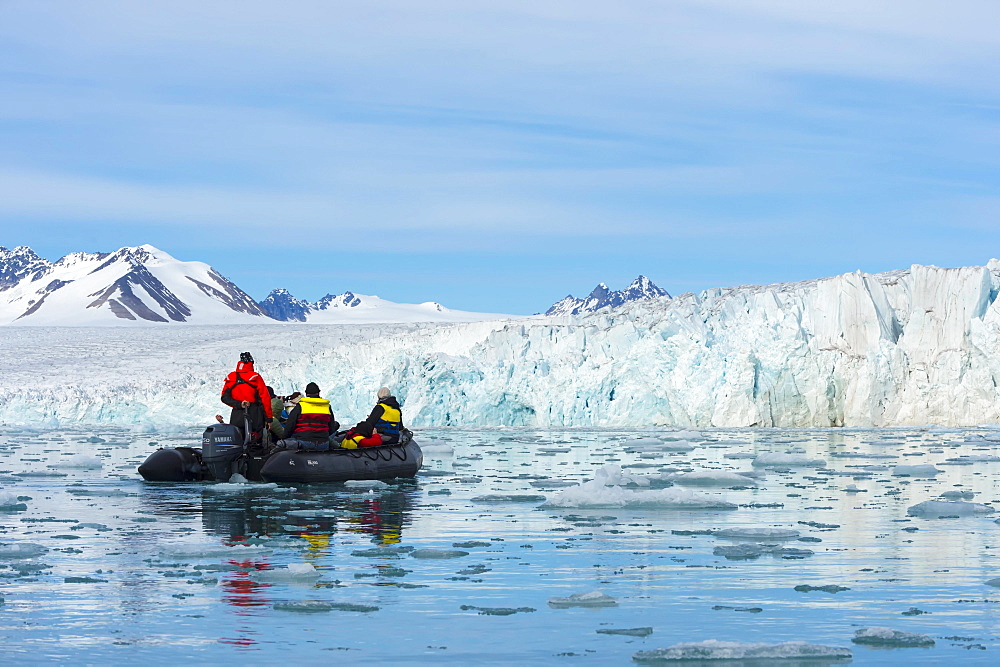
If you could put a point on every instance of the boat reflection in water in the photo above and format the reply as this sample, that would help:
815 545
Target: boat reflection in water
312 513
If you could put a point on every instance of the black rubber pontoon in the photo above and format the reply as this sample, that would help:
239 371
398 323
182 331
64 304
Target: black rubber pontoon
339 465
225 453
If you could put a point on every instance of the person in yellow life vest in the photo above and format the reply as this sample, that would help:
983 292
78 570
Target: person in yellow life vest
310 423
382 427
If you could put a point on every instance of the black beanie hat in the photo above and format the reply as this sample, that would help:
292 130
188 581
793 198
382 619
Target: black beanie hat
312 389
246 357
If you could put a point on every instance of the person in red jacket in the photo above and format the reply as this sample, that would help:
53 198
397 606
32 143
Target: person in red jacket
246 393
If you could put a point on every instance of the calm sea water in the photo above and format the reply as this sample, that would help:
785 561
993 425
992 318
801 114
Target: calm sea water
466 563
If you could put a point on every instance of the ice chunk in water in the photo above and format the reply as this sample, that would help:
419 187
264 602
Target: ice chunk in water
890 638
18 550
210 550
711 478
438 553
508 498
777 460
958 495
762 533
592 599
365 484
83 462
8 501
593 494
941 508
631 632
683 435
295 572
435 447
924 470
229 487
713 649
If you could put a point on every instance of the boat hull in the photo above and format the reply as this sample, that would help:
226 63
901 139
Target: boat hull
339 465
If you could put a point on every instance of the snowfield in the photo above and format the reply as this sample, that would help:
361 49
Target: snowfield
909 347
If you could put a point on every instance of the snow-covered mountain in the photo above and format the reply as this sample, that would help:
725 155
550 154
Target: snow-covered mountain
604 297
144 285
360 308
137 285
911 347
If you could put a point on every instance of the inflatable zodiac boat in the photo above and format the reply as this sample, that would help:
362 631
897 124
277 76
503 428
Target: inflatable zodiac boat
224 453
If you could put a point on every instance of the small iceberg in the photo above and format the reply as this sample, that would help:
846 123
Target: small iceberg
776 460
714 649
924 470
889 638
19 550
593 599
712 478
82 462
294 573
365 484
933 509
438 554
757 534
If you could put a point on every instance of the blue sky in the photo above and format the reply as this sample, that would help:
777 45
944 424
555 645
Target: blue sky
497 155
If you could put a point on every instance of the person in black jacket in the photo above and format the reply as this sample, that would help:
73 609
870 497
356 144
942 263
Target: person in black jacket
386 419
311 422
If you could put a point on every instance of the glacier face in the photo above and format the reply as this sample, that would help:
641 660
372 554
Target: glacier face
900 348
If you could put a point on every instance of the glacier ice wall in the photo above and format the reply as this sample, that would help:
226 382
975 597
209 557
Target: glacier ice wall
907 347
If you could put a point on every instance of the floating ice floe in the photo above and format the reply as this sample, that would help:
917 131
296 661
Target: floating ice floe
751 551
887 637
434 447
603 492
592 599
630 632
238 551
683 435
552 483
714 649
230 487
509 498
382 552
366 484
712 478
9 502
438 554
771 534
947 508
958 495
19 550
321 606
922 470
656 445
778 460
740 455
294 573
82 462
497 611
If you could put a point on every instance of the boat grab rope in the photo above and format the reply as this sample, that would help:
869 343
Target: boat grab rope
374 454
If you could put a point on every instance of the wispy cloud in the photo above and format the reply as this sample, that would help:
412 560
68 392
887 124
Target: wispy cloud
621 132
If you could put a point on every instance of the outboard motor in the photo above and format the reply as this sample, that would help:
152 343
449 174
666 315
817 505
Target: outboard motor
221 448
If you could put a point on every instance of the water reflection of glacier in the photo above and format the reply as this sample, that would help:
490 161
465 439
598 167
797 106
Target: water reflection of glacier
475 559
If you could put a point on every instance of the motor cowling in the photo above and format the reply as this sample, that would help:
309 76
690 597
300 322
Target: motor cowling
221 450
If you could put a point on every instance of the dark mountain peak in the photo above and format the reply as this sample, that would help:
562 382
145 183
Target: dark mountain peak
281 305
20 263
604 297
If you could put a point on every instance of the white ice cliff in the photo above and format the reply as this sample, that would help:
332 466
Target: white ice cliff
900 348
